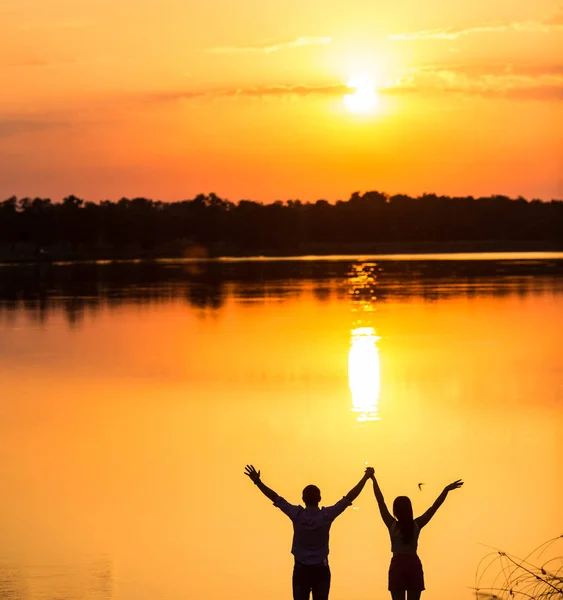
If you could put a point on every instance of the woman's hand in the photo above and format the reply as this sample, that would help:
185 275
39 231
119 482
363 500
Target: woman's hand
453 486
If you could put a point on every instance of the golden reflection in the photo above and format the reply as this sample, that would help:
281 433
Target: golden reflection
364 374
363 358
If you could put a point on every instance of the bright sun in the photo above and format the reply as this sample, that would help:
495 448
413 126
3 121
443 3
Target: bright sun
364 99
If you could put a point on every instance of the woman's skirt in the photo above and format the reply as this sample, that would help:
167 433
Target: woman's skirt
405 573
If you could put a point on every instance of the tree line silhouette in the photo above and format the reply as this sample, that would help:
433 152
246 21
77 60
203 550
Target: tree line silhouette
210 225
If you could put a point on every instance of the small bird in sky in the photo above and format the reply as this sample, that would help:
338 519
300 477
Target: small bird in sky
420 486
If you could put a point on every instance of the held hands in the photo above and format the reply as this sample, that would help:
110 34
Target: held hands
251 472
370 473
453 486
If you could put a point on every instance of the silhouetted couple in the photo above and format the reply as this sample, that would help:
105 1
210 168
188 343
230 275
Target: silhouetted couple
311 526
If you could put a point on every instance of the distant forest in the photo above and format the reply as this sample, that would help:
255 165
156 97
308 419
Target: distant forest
207 225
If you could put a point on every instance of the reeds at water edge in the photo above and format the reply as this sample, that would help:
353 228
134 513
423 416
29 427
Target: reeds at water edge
538 576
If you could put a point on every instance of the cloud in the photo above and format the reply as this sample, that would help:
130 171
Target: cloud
476 69
547 25
281 90
517 81
292 90
16 126
267 48
521 82
454 34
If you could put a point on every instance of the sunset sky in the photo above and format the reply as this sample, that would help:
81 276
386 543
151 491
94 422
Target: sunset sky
170 98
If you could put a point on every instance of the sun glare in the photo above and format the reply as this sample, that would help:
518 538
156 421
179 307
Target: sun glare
364 98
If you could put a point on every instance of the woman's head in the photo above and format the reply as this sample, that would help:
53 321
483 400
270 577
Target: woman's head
402 509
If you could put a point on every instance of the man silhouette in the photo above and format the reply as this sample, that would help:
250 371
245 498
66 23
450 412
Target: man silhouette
311 526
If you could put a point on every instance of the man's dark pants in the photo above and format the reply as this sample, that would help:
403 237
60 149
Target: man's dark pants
311 578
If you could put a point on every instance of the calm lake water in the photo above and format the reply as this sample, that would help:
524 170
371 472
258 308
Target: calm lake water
132 395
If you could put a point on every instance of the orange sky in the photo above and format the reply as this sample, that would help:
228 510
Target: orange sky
168 99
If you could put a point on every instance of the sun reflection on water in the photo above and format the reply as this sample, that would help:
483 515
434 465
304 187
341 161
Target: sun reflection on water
363 358
364 374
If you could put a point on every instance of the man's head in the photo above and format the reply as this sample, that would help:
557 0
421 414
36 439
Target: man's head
311 495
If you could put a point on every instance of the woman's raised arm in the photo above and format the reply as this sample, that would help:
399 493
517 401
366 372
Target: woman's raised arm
423 519
384 511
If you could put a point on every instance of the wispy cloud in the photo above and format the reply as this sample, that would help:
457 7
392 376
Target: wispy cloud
552 23
280 91
453 33
268 47
519 81
516 82
16 125
292 90
480 69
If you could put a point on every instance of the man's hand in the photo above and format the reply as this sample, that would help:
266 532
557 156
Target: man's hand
254 475
370 473
355 491
251 472
453 486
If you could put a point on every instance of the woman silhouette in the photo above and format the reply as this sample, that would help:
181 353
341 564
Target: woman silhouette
406 577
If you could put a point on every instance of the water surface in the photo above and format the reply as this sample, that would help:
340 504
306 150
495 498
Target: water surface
133 394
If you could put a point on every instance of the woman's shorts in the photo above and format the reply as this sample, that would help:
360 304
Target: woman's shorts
405 573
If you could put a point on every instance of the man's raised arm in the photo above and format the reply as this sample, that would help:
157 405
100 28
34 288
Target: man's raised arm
355 491
254 475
